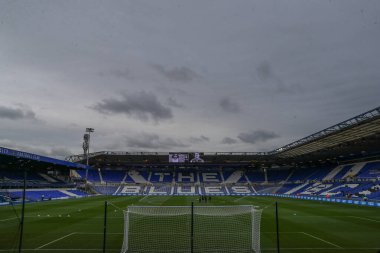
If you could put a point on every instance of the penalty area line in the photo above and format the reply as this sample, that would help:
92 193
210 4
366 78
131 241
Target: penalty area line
322 240
363 218
85 233
13 218
56 240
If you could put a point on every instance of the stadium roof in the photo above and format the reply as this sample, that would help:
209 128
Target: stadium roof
364 125
16 158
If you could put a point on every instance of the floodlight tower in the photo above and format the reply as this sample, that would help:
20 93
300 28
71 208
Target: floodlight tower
86 146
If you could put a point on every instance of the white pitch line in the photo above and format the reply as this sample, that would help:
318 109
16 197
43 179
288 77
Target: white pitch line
271 249
84 233
238 199
12 250
63 237
282 232
263 249
322 240
346 249
13 218
362 218
143 198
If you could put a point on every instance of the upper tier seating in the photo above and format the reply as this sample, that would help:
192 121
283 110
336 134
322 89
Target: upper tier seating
113 175
277 175
15 179
93 175
255 176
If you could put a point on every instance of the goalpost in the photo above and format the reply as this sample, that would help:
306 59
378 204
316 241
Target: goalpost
194 229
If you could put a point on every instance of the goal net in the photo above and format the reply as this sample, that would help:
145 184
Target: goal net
194 230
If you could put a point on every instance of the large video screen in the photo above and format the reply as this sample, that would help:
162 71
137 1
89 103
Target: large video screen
196 158
186 157
178 157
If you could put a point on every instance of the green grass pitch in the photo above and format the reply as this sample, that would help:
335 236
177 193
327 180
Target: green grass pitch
76 225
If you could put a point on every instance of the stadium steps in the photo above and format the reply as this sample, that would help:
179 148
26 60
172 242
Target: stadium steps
74 173
296 188
125 177
119 188
69 193
149 176
333 173
47 178
234 177
290 175
354 170
222 177
246 178
136 177
250 183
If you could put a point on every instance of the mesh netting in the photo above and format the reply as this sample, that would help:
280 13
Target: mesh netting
179 229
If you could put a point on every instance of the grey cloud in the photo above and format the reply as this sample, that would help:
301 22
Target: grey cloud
179 74
229 141
119 73
59 152
239 56
16 113
264 71
153 141
113 145
174 103
142 105
229 106
199 139
257 136
266 74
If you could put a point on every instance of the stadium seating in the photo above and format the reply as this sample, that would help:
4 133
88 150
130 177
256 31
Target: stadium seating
370 170
255 176
161 177
278 175
15 179
351 180
113 175
45 194
93 175
105 189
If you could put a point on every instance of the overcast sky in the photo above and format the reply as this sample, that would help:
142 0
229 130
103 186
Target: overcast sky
176 75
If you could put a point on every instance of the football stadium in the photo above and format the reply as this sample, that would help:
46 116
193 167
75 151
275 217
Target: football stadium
189 126
318 194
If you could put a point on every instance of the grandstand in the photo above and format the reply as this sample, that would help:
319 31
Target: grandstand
340 164
45 178
341 161
357 180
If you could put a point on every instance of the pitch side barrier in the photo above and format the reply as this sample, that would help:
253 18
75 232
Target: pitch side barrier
331 200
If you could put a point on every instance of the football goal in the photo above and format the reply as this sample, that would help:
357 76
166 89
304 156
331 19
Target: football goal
194 229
